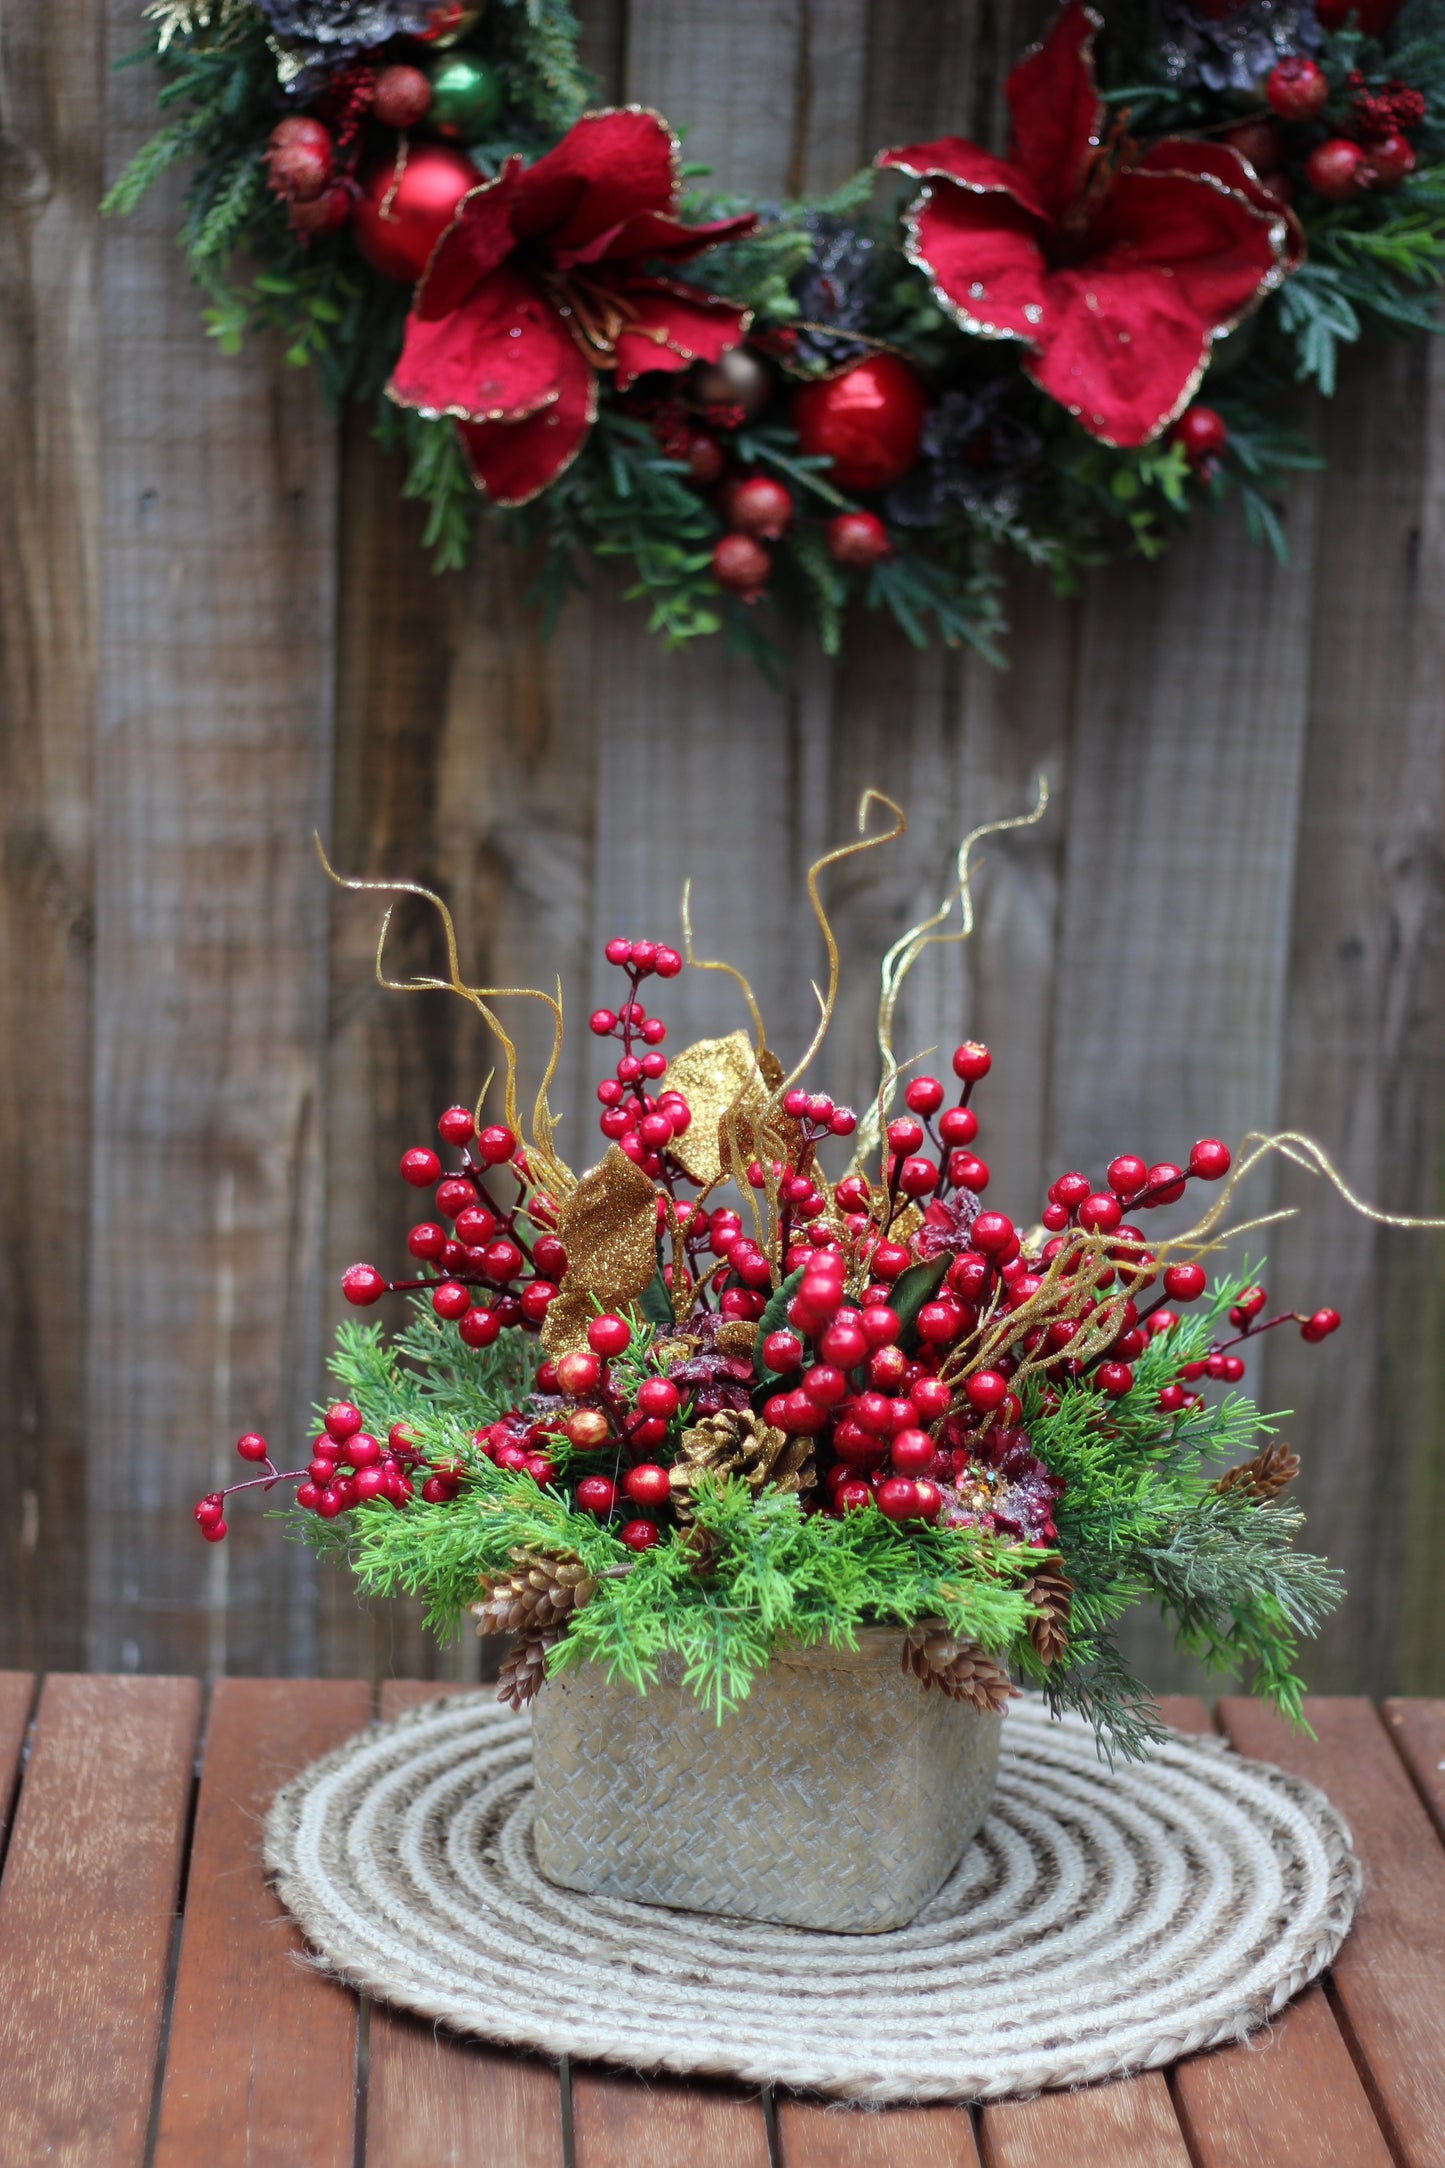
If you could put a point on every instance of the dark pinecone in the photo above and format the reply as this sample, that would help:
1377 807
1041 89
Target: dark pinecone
737 1443
1053 1591
1266 1475
701 1547
1233 46
524 1667
314 38
832 293
536 1598
960 1670
975 453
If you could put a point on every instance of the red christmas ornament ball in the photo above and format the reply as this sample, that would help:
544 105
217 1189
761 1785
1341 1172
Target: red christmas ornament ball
1338 169
868 421
760 507
402 97
401 215
859 539
1297 88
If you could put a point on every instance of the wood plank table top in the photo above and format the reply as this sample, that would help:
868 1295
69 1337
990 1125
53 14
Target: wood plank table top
152 2009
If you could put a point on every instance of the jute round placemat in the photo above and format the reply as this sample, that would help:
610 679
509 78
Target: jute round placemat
1103 1921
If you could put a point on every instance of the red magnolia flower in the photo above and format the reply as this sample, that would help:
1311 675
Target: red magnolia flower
1117 268
537 285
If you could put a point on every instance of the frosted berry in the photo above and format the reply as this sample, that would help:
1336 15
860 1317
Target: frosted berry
362 1284
971 1061
1297 88
608 1335
760 507
1338 170
859 539
905 1134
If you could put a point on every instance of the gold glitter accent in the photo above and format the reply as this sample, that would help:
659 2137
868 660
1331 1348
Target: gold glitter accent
719 1079
740 1445
183 18
608 1227
737 1336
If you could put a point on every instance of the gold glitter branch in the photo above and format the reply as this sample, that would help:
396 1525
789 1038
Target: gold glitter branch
869 799
547 1167
701 963
906 951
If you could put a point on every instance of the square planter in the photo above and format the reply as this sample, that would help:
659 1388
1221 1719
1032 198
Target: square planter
840 1795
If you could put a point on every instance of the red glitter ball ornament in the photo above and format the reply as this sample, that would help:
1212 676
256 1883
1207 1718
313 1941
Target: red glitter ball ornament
406 205
868 421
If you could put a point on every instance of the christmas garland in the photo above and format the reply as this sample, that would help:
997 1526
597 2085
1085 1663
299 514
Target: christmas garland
707 1395
1061 354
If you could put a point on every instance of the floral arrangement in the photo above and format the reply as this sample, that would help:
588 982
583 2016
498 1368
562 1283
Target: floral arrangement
1060 354
709 1394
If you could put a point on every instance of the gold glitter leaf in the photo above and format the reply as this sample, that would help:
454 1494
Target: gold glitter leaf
716 1077
608 1227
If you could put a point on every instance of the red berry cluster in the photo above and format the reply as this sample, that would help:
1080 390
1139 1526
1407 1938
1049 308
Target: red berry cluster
759 511
348 1468
642 1124
1338 167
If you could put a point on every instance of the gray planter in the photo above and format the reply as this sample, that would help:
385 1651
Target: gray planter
841 1795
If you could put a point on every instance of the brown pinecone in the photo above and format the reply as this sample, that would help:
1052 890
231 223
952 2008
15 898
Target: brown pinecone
737 1443
1053 1591
700 1547
1266 1475
962 1671
537 1597
524 1667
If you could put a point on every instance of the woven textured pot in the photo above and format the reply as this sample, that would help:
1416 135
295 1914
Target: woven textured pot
840 1795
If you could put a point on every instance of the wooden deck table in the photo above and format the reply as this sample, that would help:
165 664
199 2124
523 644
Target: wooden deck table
151 2008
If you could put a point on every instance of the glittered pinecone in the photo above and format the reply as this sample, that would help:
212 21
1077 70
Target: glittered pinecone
962 1671
1265 1476
1052 1590
536 1598
735 1442
524 1667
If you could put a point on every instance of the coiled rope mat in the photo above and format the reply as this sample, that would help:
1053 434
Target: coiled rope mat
1101 1922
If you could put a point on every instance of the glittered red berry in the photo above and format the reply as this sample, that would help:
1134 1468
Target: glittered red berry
704 458
1321 1325
858 540
897 1498
420 1166
362 1284
401 97
868 421
741 565
298 159
406 204
1209 1159
904 1134
760 507
596 1494
1297 88
608 1335
1203 435
1184 1283
1338 170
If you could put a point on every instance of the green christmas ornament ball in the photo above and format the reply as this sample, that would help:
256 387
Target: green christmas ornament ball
466 97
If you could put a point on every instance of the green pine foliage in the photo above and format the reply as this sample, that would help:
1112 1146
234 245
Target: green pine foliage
1141 1520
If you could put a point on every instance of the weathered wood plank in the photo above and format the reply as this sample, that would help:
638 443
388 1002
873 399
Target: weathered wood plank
1129 2124
620 2122
1364 1030
1418 1730
261 2058
212 761
87 1908
814 2137
1389 1977
51 61
434 2101
17 1693
1290 2098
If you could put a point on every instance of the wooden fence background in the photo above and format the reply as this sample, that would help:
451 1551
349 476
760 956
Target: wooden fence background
217 632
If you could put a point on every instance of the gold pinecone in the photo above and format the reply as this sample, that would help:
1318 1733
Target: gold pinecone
1052 1590
960 1670
536 1598
524 1667
737 1443
1266 1475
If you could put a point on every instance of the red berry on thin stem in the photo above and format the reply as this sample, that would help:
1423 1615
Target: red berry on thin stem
1209 1159
1184 1283
972 1061
362 1284
1321 1325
